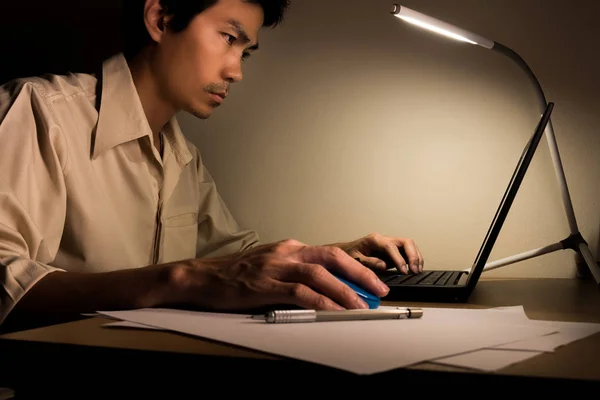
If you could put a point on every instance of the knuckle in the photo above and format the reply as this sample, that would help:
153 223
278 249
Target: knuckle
281 247
297 290
286 244
373 237
178 276
314 271
335 252
321 303
370 275
347 293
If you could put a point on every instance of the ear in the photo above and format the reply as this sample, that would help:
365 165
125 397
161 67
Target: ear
154 19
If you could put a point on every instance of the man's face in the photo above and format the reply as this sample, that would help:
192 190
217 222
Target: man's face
196 66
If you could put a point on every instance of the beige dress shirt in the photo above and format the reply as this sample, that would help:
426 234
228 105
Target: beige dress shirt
82 187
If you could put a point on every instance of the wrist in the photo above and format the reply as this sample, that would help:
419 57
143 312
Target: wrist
167 285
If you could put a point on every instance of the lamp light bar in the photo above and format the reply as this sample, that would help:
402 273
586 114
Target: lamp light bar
440 27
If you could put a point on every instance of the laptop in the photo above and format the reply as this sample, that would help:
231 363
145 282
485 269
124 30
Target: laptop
456 286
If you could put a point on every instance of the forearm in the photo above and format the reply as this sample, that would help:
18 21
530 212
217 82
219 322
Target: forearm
63 296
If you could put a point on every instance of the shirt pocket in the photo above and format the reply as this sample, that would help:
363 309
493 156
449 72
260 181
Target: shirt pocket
180 235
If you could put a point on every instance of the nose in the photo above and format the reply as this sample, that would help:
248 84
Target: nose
233 70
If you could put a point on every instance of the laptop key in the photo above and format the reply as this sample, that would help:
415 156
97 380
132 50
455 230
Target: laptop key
414 279
450 278
403 279
431 278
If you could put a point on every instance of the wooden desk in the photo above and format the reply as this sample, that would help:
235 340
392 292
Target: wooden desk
61 357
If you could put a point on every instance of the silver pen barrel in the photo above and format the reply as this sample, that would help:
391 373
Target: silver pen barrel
287 316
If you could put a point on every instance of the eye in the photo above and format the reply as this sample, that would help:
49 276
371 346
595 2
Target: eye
245 56
229 38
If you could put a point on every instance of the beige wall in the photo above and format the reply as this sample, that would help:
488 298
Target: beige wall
349 121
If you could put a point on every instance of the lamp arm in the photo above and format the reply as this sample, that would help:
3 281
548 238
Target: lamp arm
553 147
510 53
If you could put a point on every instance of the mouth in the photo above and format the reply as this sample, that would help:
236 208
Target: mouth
218 97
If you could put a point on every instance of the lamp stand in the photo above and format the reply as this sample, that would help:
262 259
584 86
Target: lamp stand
575 240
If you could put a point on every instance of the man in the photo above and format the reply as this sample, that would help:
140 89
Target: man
105 205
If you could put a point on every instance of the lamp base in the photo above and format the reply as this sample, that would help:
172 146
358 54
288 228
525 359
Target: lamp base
593 267
583 271
587 266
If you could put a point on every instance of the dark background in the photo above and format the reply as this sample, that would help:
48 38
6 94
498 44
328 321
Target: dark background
56 36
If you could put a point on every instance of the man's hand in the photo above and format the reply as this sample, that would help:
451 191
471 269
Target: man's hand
381 252
286 272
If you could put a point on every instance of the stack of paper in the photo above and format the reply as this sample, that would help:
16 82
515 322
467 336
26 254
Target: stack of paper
486 339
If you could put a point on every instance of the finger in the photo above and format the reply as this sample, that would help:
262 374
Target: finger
413 255
318 279
340 263
390 251
393 256
421 260
415 265
370 262
303 296
399 257
408 251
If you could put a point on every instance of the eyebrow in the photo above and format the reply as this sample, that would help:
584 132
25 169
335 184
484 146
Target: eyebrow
241 32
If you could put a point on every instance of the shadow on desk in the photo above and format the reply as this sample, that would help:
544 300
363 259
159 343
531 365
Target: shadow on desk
108 373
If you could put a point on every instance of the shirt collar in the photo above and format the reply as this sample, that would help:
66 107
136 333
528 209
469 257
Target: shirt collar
121 117
177 141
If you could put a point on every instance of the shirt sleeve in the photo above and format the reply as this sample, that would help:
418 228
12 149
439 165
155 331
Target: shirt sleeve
218 232
32 191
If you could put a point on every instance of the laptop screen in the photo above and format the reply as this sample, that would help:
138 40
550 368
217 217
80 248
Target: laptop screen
509 196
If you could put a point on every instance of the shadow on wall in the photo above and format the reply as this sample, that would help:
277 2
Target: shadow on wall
582 268
598 247
39 36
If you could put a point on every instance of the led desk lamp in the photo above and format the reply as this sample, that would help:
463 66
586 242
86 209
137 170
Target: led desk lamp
575 241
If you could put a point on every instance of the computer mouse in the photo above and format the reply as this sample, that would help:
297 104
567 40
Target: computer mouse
369 298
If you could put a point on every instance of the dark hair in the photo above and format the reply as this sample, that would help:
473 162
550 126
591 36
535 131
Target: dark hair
181 12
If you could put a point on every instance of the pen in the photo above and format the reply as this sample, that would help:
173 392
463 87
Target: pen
287 316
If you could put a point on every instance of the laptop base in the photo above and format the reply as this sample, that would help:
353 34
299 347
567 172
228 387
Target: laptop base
441 286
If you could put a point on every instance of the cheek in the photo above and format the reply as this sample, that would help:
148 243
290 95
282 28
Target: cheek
188 65
180 75
171 80
204 57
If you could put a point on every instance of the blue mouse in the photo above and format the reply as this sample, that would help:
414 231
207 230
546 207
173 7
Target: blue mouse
372 300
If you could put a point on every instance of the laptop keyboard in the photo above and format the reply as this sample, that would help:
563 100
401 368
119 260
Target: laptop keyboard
431 278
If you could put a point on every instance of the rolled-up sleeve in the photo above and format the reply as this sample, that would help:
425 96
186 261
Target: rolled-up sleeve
32 191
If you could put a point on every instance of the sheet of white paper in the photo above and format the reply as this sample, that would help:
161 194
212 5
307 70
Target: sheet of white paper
488 359
127 324
517 351
515 313
362 347
568 332
521 350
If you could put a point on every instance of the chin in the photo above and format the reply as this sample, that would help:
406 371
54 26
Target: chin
200 113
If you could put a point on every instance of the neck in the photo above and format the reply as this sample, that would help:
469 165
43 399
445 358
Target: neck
157 108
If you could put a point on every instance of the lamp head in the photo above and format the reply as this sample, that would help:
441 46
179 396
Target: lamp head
440 27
